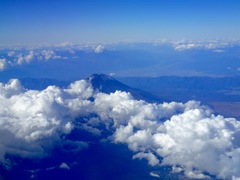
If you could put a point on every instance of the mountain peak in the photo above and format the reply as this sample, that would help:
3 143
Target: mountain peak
100 77
108 84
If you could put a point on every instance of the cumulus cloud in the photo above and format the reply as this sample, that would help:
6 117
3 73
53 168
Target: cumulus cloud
64 166
48 54
32 120
23 56
3 64
30 56
20 58
153 161
187 136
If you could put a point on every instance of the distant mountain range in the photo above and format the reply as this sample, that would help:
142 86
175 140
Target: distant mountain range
221 94
191 83
178 88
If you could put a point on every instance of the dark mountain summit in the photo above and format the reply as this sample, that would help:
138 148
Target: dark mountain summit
105 83
108 84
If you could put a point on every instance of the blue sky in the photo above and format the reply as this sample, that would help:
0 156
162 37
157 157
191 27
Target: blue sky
39 21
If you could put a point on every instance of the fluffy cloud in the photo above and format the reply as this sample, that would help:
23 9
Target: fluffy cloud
64 166
20 57
153 161
3 64
48 54
31 121
30 56
186 136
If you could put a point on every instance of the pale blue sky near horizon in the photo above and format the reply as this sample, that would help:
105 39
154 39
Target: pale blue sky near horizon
51 21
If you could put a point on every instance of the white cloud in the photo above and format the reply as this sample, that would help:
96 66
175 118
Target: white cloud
183 47
211 45
152 160
99 49
49 54
13 87
219 50
29 119
3 64
65 44
64 166
112 74
91 129
30 56
20 58
192 137
186 136
154 174
11 53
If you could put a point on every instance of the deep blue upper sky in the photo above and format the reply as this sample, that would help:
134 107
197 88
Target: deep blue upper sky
38 21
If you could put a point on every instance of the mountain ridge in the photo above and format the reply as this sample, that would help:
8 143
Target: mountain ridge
108 84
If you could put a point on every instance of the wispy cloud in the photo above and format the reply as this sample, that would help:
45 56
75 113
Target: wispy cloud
99 49
214 45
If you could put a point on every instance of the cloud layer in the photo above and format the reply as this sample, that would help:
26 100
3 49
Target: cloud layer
17 56
215 46
186 136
